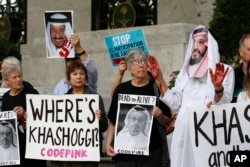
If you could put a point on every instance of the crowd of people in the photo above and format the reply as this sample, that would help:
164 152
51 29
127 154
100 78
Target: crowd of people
203 81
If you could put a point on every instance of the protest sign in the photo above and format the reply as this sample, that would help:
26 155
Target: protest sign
217 131
9 141
119 44
63 128
58 29
132 132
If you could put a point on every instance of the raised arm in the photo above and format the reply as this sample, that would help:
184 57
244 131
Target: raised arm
118 79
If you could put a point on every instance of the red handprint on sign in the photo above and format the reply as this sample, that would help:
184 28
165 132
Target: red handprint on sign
65 50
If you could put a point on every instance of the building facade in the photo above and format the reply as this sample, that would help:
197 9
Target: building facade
167 40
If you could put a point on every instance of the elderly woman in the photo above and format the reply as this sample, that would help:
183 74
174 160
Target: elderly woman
8 142
15 100
12 60
77 76
140 84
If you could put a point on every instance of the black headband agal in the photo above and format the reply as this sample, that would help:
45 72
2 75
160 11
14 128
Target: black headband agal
200 30
53 20
4 123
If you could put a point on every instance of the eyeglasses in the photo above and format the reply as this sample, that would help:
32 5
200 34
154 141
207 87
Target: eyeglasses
138 63
5 133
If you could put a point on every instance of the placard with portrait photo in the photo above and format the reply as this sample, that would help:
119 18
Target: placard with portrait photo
58 28
133 130
9 141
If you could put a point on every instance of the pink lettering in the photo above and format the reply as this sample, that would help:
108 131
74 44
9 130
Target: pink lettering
56 152
50 153
42 152
64 153
67 152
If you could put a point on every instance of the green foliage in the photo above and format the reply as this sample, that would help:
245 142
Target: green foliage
229 22
8 48
173 77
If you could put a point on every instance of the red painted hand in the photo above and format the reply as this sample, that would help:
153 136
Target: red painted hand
153 66
219 75
65 50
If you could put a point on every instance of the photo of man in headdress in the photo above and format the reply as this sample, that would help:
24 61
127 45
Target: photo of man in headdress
8 142
58 28
136 129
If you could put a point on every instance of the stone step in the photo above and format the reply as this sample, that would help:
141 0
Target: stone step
106 162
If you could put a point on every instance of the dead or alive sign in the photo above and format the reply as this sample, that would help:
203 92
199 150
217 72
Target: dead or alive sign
119 44
133 128
62 128
9 141
217 131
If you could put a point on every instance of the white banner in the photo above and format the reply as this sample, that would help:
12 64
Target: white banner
62 127
217 131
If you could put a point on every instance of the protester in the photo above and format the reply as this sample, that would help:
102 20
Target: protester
241 71
136 63
169 126
12 60
63 85
15 100
8 142
201 81
135 133
77 76
244 95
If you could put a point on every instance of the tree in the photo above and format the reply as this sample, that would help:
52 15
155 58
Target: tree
8 48
229 22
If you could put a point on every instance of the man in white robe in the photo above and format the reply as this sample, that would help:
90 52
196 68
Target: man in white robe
201 81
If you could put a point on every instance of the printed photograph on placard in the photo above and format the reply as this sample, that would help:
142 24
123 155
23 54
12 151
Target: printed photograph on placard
58 28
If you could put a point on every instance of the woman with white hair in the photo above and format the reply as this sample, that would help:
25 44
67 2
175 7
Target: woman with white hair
15 61
140 84
15 100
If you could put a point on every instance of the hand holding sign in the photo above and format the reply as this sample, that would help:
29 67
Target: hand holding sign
119 44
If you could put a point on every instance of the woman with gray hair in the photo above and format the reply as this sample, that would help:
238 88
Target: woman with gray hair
140 84
15 61
15 100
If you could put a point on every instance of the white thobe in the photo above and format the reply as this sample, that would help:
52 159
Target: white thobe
197 92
